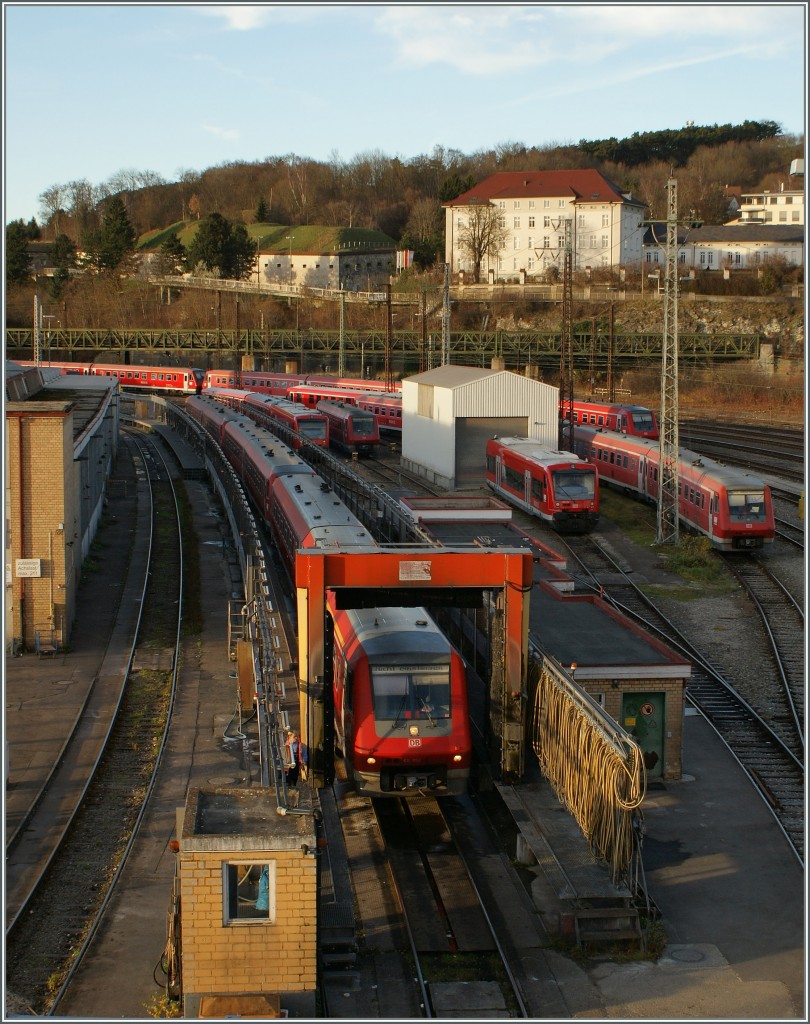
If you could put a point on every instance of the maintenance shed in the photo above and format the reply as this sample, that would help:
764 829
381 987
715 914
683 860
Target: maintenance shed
449 414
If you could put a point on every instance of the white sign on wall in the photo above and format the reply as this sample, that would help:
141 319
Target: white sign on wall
29 566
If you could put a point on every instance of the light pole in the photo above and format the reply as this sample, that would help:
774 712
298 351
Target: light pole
289 258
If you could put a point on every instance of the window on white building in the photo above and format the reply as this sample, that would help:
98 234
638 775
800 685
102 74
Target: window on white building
530 243
546 222
531 204
581 220
605 220
514 263
516 222
605 241
501 222
546 203
516 242
592 241
546 242
531 264
783 216
794 215
531 222
560 241
501 204
561 203
515 204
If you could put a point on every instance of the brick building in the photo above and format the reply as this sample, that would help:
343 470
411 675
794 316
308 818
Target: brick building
61 435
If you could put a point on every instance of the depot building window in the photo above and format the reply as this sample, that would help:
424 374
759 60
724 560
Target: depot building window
249 892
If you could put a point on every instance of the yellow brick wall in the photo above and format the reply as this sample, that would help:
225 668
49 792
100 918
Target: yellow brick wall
40 476
673 729
278 956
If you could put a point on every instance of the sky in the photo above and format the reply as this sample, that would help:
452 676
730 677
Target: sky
94 89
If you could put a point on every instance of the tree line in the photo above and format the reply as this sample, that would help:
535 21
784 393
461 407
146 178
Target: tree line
402 198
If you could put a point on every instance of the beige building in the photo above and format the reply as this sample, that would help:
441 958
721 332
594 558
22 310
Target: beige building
61 435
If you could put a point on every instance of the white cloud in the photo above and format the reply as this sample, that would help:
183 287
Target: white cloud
494 39
229 134
244 17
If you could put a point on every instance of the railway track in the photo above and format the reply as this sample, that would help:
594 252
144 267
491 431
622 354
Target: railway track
756 448
59 881
773 763
436 917
783 622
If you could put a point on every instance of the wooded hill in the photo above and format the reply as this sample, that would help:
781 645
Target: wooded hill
402 197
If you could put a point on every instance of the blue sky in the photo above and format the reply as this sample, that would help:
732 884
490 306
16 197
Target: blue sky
93 89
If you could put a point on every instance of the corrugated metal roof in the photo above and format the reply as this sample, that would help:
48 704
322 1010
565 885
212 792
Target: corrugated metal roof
450 376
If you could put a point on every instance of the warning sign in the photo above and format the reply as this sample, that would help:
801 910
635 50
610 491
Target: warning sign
647 709
414 571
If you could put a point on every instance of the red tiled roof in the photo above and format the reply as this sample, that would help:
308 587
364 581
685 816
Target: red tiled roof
581 186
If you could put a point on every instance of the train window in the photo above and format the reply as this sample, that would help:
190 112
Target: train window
574 483
747 504
538 487
248 892
600 420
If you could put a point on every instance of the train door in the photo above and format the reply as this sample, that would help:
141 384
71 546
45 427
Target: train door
644 717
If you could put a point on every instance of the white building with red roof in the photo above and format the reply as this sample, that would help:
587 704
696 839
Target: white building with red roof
536 210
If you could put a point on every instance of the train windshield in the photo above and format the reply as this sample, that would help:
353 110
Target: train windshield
574 483
643 421
415 693
364 426
748 505
313 429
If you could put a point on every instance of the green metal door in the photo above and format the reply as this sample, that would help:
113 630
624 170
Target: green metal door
643 716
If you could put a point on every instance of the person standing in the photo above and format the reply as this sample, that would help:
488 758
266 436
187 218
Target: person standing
292 762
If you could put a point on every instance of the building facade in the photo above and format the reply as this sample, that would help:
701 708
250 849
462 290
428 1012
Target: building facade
541 214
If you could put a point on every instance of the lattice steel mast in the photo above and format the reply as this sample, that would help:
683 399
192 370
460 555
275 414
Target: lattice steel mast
566 433
667 529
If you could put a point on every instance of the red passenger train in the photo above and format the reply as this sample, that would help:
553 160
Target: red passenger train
292 421
386 406
173 380
730 506
351 430
562 491
635 420
399 687
268 382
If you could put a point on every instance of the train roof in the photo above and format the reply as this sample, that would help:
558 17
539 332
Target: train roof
341 410
692 466
387 633
325 516
535 452
284 404
264 448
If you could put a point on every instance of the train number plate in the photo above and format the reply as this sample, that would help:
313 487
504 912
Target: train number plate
414 742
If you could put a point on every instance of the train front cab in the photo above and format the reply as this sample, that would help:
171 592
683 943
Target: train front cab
401 720
741 519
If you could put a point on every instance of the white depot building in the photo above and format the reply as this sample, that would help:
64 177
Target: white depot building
449 414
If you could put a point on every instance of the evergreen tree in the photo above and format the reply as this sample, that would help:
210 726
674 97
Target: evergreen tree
18 260
108 245
262 214
222 248
173 255
64 258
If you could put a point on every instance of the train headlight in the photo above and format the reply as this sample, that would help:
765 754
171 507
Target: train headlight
456 757
371 760
413 730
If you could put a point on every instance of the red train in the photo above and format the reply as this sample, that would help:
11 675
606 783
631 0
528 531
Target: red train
730 506
271 383
401 718
548 484
292 421
183 381
399 687
635 420
351 429
386 405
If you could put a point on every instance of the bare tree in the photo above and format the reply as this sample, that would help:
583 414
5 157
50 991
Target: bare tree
481 236
52 202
